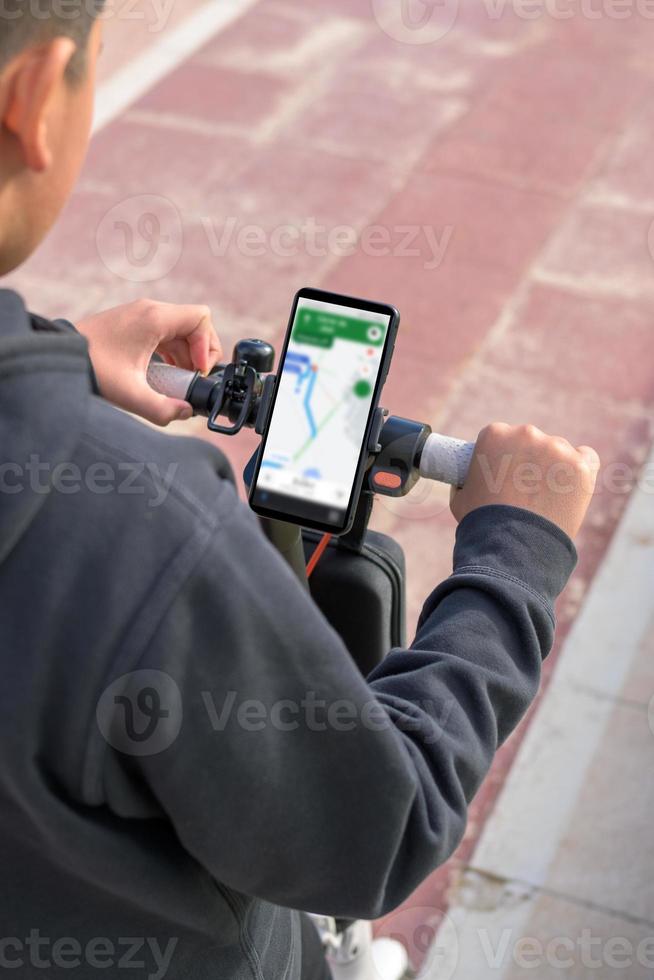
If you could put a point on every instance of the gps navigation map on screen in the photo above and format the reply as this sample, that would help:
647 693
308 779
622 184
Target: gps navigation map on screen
323 403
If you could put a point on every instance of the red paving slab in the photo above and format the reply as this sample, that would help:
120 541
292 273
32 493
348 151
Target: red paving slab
196 91
580 353
550 83
274 35
445 316
486 235
543 121
289 187
387 128
542 124
627 40
451 66
75 236
603 250
131 157
626 172
528 138
621 431
304 44
491 227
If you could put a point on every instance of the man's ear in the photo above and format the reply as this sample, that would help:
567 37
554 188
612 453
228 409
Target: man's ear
33 79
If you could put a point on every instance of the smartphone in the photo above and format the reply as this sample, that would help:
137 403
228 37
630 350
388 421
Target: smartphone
314 452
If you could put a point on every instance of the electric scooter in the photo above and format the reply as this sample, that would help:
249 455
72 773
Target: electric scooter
400 452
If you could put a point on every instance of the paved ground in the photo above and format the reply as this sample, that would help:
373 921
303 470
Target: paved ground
493 167
561 881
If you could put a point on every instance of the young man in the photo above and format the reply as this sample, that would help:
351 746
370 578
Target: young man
176 761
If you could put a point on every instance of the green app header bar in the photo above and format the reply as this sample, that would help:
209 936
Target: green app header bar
321 329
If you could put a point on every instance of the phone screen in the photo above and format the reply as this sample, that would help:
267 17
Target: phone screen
327 389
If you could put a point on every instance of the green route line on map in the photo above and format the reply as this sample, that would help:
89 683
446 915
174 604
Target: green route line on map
322 425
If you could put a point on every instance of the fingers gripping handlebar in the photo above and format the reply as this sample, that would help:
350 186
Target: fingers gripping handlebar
239 392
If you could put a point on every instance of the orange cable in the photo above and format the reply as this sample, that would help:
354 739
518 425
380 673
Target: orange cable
318 553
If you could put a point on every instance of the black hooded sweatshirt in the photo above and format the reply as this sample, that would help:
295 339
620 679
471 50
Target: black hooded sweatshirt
187 751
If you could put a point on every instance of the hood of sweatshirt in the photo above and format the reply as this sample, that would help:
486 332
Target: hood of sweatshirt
44 397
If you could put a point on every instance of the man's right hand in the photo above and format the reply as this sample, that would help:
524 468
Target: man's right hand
123 340
521 466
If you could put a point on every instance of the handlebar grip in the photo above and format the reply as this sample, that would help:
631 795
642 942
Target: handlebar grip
171 381
446 460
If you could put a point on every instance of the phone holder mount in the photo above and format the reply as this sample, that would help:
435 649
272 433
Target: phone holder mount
243 391
395 444
242 388
394 448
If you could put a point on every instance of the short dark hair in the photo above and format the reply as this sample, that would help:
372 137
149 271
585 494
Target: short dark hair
27 22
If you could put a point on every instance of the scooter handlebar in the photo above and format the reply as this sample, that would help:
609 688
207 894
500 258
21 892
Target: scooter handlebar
446 460
171 381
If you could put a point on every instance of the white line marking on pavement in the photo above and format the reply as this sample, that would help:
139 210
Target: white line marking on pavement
525 831
129 83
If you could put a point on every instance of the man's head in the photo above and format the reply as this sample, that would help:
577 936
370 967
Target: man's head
48 53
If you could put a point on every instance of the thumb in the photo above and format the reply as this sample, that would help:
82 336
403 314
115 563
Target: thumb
593 463
590 455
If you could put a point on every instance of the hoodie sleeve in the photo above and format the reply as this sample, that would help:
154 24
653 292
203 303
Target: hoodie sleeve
296 780
39 323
